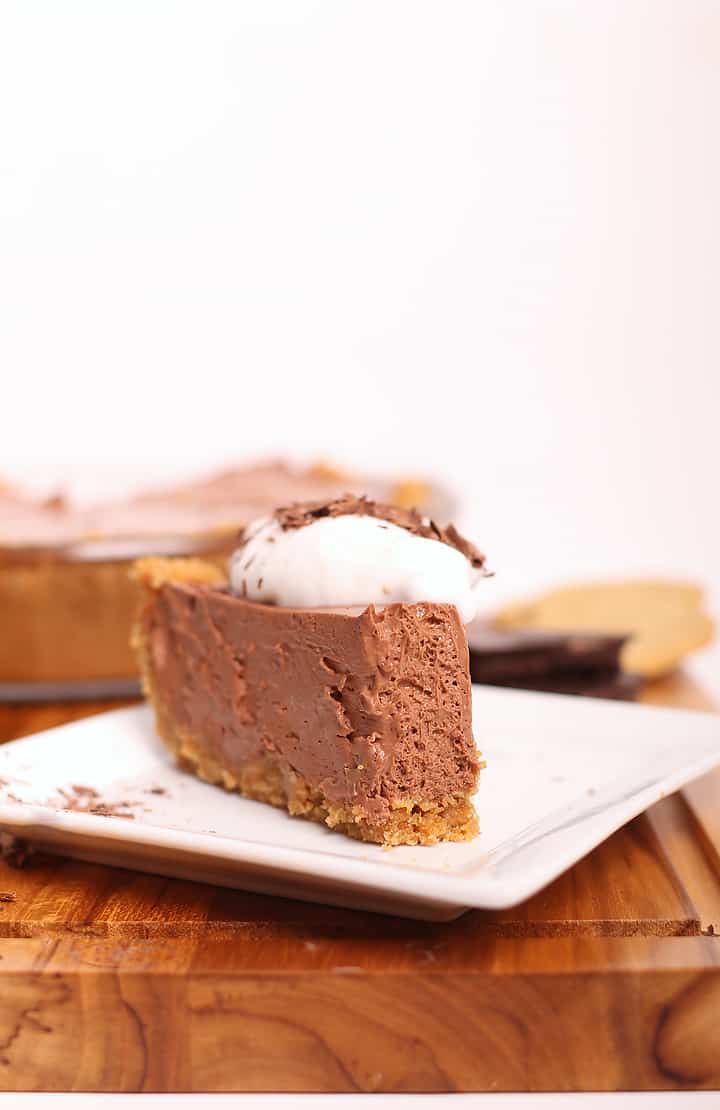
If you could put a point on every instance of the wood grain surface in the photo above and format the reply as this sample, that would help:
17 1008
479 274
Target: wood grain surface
607 980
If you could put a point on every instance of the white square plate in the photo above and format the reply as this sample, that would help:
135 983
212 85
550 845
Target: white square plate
563 773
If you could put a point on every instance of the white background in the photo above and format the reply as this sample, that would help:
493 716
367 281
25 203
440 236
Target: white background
476 239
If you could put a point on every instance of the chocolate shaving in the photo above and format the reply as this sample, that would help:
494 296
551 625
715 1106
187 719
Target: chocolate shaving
8 896
302 513
77 798
85 799
115 809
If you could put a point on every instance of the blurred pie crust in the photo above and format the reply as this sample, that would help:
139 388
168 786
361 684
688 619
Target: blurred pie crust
66 596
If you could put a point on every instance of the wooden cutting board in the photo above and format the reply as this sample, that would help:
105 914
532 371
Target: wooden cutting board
608 980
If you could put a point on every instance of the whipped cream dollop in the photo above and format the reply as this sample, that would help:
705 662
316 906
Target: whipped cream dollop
348 561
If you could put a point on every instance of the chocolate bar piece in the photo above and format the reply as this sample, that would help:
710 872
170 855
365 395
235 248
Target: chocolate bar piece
557 662
617 686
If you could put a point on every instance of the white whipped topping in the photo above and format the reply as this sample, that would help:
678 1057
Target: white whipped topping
346 561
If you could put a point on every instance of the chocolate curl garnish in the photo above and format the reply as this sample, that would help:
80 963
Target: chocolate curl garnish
302 513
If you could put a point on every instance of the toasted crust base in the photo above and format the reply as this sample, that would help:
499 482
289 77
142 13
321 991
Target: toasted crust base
271 779
414 821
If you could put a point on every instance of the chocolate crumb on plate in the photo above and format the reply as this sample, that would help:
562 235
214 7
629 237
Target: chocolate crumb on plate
118 809
85 799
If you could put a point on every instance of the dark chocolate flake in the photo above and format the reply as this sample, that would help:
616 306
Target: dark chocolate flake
85 799
118 809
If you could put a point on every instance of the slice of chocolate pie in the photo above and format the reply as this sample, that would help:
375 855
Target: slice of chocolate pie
330 675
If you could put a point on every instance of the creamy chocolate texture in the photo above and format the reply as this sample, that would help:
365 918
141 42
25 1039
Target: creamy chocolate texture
331 674
364 708
363 721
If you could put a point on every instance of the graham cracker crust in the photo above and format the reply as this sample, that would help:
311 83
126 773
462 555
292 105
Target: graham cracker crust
414 821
